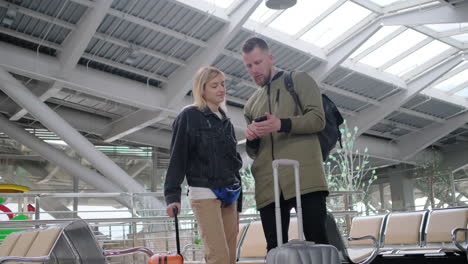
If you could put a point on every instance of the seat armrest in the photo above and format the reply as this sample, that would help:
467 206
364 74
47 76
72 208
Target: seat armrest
375 251
24 259
147 251
454 238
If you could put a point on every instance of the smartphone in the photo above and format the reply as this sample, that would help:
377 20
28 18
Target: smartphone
260 119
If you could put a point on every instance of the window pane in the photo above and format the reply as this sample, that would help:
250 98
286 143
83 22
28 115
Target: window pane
453 82
463 92
379 35
418 58
333 25
297 17
446 27
262 13
393 48
462 37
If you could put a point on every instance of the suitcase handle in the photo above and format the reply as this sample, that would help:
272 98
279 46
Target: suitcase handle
176 221
300 227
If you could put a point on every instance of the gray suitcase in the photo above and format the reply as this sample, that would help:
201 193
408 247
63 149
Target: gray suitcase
297 251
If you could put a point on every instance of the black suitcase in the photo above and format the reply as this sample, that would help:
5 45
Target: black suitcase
297 251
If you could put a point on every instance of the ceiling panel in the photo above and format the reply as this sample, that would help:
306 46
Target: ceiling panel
409 120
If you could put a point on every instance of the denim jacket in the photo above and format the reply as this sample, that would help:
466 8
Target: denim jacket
203 149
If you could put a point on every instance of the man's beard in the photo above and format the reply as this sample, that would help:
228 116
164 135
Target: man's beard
267 78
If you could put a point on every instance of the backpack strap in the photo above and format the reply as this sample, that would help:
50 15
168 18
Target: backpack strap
289 84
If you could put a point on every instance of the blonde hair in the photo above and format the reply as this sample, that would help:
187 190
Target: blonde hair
202 77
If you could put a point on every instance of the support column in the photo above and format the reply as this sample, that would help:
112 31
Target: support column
402 189
156 178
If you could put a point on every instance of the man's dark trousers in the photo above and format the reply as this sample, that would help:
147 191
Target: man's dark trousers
314 213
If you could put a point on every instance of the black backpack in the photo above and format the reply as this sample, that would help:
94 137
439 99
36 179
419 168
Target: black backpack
331 133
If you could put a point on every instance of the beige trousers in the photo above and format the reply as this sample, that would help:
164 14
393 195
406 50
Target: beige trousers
218 229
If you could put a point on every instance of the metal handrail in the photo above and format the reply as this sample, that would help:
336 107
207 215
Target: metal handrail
119 252
375 251
24 259
454 239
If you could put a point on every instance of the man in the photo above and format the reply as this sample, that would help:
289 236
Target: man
284 135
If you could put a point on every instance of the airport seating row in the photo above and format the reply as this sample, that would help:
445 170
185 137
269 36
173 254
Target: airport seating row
438 234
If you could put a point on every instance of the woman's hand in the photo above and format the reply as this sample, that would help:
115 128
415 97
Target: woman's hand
169 209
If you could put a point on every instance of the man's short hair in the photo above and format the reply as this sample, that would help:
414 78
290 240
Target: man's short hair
253 42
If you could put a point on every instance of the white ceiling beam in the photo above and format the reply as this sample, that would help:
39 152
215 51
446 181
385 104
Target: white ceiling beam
458 88
379 44
453 32
341 53
44 94
412 143
349 94
397 124
125 67
132 123
373 115
429 15
401 5
441 95
369 5
138 168
434 34
30 38
77 41
406 53
373 73
421 115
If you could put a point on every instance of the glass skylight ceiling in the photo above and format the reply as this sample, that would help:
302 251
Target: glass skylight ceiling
324 29
453 82
332 26
397 50
463 93
418 57
291 21
378 36
393 48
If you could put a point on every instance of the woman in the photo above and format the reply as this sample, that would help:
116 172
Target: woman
203 149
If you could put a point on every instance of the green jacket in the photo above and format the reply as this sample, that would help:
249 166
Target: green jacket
300 143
